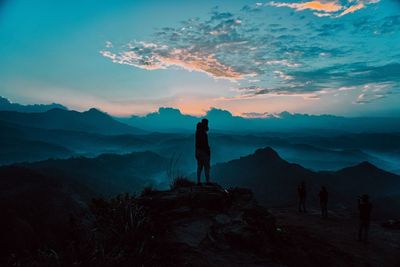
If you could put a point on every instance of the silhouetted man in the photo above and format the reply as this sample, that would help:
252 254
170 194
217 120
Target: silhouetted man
323 201
302 197
365 208
202 150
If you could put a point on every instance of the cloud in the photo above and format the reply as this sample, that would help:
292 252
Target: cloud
291 90
373 91
372 82
352 9
327 8
259 115
150 56
283 62
322 14
272 59
196 45
351 74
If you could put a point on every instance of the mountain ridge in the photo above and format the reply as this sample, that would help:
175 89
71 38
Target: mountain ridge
6 104
92 121
172 119
274 180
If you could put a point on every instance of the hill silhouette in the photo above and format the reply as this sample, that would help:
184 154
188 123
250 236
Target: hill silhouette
319 158
168 119
6 105
272 179
91 121
26 143
35 209
62 133
275 180
107 174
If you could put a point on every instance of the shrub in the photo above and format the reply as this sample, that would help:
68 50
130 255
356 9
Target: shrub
181 181
124 232
147 191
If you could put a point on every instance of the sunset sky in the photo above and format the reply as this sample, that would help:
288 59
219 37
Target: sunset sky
131 57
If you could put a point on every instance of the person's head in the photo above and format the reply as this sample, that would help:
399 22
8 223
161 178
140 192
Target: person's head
323 188
204 122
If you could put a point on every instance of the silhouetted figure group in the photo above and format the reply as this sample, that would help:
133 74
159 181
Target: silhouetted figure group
364 208
202 151
323 199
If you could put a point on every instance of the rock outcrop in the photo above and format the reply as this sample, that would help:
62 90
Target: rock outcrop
210 226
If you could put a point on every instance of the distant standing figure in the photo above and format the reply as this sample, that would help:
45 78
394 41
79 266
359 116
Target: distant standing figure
302 197
202 150
323 200
365 208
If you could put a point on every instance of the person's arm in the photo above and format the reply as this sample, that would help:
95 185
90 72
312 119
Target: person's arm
206 143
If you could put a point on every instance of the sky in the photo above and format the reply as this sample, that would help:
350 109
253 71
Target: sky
251 58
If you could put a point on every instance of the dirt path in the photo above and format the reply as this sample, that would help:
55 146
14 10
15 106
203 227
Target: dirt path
340 232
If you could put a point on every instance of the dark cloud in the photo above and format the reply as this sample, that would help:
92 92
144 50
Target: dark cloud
350 74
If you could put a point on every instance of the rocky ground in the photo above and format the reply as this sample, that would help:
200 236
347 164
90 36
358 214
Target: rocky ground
338 237
210 226
207 226
214 227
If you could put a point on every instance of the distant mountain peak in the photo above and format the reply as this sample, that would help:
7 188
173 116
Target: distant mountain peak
4 101
169 110
216 112
285 114
95 111
7 105
366 165
267 152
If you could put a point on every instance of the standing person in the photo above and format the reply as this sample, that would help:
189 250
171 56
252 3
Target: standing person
323 201
202 150
302 197
365 208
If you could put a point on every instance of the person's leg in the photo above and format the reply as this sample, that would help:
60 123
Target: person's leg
360 229
322 209
300 205
304 205
199 169
207 169
366 230
363 232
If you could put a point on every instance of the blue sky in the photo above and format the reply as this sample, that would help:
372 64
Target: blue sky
131 57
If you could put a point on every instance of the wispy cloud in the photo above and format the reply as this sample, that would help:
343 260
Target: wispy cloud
373 91
332 6
151 56
327 8
352 9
